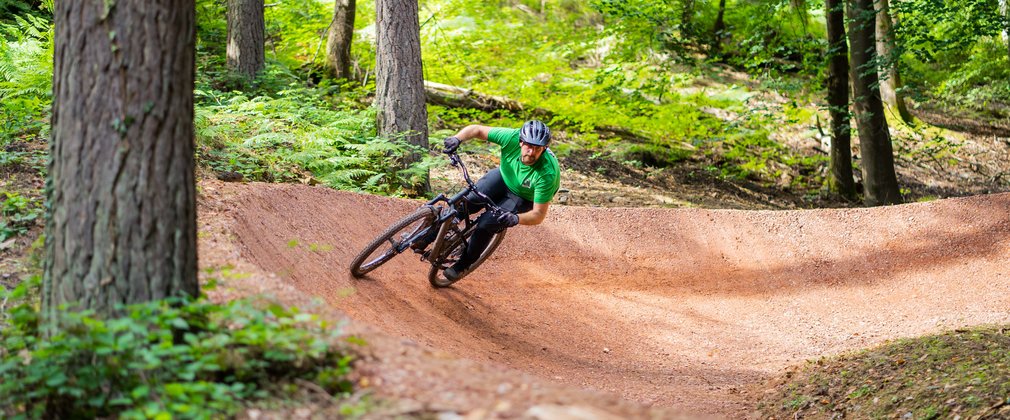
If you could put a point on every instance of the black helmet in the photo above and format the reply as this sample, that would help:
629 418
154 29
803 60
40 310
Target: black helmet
536 133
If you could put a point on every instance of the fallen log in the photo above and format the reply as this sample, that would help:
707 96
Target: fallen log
457 97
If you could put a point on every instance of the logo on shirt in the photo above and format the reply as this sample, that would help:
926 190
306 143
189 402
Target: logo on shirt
527 183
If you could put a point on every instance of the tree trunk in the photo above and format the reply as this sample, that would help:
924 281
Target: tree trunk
880 184
338 41
687 19
719 29
245 37
840 166
890 77
399 87
121 225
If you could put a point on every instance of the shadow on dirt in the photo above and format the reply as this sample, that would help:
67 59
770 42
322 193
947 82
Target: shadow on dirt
672 307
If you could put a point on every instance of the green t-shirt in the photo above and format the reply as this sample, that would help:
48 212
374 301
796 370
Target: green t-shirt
538 182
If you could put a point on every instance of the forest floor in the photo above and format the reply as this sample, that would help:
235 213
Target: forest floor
618 312
634 312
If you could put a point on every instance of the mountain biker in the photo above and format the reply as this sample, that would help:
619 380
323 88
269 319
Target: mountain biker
523 184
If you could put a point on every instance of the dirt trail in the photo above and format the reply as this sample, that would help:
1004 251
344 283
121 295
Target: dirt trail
683 308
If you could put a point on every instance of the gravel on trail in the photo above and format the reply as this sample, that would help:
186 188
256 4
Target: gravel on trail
618 312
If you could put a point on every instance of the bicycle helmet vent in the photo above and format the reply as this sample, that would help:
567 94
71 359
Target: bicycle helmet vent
536 133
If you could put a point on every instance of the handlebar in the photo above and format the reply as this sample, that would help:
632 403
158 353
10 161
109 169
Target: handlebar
458 162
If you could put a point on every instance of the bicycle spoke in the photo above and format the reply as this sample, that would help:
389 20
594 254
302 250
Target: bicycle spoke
389 243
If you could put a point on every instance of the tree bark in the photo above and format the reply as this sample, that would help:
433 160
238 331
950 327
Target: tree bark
399 87
890 81
719 29
880 183
245 37
338 40
121 225
840 165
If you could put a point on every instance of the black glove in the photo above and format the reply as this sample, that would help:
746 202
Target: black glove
508 219
451 144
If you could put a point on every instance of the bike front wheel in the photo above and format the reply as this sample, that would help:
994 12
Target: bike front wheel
392 241
451 252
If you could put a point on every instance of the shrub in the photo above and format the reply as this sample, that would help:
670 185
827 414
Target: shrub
19 215
172 358
297 134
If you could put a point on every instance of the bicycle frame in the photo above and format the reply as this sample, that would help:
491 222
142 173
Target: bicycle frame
453 224
447 209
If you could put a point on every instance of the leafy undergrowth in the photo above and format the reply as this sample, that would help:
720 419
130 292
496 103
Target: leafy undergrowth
295 135
176 358
959 374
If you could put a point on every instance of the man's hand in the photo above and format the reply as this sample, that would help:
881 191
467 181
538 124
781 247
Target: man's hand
451 144
508 219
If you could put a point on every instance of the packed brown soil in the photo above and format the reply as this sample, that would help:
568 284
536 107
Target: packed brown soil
619 312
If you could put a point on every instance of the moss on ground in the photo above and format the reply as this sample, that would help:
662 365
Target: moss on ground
959 374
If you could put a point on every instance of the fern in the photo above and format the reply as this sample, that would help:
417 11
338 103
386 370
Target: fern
26 66
347 161
373 182
352 174
282 138
26 72
267 140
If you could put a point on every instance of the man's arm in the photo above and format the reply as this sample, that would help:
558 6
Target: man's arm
473 132
534 216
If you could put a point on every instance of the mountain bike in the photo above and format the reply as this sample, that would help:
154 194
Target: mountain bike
454 223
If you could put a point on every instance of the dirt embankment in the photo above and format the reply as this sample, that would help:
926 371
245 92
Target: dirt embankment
631 312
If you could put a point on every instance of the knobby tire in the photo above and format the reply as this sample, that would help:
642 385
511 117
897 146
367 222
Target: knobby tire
359 267
452 247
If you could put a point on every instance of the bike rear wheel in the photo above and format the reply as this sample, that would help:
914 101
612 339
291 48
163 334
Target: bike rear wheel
451 251
391 241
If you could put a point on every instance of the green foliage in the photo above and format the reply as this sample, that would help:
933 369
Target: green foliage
778 42
784 39
926 28
982 81
747 151
655 155
659 24
26 69
19 214
211 29
297 136
956 374
928 145
295 36
173 358
12 8
296 31
451 119
607 65
951 50
288 125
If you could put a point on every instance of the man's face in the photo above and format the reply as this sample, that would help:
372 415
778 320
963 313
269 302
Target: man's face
530 153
